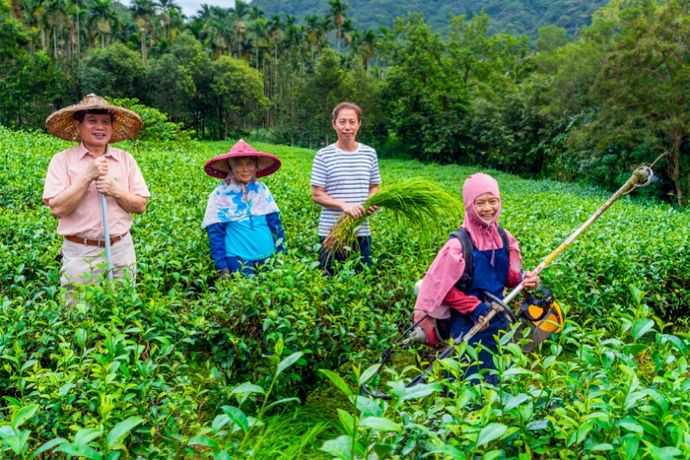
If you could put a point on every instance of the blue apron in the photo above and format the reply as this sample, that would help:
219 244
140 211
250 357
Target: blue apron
489 278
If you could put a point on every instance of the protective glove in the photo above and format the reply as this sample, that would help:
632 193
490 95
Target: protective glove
480 310
223 274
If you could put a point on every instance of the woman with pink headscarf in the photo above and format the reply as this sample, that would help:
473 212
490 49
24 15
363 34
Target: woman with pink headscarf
445 296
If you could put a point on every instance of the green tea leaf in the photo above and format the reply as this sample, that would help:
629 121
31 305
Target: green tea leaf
247 388
631 426
347 421
203 441
289 361
278 349
664 453
641 327
490 432
337 381
282 401
46 446
369 373
339 447
536 425
237 416
24 414
121 430
380 424
516 400
602 447
418 391
219 422
86 435
632 445
76 450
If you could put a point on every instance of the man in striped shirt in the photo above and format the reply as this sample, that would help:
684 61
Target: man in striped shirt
343 176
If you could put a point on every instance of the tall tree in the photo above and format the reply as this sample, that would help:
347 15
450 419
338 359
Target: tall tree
168 12
337 10
114 71
425 96
143 12
363 44
216 31
236 89
258 37
170 87
28 82
644 89
316 35
102 19
57 18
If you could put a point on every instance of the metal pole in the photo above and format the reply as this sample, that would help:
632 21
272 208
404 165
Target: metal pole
106 237
640 177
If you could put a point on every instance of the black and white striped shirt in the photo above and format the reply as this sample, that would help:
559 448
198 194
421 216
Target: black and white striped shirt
346 176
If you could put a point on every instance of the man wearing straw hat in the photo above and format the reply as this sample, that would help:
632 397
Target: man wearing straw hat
93 188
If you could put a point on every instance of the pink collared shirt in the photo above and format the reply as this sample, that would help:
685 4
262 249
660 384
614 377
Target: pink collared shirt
438 292
86 221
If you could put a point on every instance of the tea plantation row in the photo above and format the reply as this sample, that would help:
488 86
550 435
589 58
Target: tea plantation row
155 371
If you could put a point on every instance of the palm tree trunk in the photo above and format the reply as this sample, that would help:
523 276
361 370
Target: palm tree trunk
142 39
78 33
677 141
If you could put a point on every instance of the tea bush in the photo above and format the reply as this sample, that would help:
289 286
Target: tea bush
156 126
587 394
166 358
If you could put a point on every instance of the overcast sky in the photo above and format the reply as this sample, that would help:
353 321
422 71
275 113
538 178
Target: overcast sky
190 7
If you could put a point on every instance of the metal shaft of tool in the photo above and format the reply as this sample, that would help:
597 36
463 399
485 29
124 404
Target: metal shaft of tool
639 176
106 237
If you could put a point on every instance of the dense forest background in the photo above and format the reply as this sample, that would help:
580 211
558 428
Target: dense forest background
512 16
554 103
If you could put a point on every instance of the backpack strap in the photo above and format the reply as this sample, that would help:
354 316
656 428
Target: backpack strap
465 281
504 237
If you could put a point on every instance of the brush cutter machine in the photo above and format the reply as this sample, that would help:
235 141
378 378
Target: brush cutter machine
539 315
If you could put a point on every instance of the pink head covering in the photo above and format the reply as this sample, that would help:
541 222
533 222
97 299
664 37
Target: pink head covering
484 235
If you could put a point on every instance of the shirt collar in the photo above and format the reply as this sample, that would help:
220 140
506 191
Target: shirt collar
109 151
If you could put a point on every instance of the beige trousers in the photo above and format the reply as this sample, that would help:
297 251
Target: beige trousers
82 264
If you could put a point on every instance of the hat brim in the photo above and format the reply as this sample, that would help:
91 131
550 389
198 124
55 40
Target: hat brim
219 166
61 124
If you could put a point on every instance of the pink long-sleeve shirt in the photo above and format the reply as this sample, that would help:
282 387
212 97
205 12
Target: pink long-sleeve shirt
438 292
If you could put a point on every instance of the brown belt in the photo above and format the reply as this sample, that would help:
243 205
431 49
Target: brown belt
98 243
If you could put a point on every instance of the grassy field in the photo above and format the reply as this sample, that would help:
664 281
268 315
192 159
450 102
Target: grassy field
187 367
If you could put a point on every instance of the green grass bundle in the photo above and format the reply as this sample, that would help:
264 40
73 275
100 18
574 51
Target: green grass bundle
415 203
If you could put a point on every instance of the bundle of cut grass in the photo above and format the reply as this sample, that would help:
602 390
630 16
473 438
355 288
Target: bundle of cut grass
416 202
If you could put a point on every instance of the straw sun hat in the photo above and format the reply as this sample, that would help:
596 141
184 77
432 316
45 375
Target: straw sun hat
219 166
125 122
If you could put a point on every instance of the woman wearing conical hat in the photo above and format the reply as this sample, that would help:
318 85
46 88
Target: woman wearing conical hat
242 219
78 175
